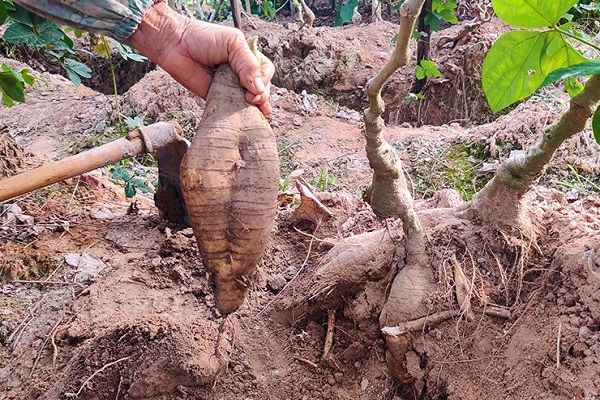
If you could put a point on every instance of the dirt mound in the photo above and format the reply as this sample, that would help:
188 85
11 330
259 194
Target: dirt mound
158 97
337 62
13 157
58 115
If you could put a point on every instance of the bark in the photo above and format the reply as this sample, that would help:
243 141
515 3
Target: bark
376 10
423 45
500 201
236 12
389 197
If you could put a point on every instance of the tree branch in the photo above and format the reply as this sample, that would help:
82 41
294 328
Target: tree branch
389 195
518 174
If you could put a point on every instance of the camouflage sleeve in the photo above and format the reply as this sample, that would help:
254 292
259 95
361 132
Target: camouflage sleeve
116 18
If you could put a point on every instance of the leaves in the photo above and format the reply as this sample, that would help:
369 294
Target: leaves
531 13
441 11
12 84
427 69
573 86
132 182
3 13
37 35
581 69
76 70
345 12
596 125
518 63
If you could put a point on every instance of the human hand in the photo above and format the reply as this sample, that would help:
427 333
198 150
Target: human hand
189 49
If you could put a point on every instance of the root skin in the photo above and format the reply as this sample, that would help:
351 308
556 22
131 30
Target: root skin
230 178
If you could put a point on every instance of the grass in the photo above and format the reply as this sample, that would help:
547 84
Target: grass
323 181
454 167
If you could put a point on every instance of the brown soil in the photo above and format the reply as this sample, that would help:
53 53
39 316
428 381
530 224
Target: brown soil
337 62
145 325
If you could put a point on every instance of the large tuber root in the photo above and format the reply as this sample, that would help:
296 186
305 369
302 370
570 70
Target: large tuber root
500 201
343 272
230 179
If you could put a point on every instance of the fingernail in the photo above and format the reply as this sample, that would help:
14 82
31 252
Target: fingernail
259 84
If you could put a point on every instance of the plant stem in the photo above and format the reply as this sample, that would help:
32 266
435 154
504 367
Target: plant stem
115 89
569 34
500 199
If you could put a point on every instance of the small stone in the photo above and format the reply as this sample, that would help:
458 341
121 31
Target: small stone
330 380
155 263
276 282
364 384
338 376
584 332
238 368
354 352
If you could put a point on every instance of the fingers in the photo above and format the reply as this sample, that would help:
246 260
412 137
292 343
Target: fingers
254 74
261 100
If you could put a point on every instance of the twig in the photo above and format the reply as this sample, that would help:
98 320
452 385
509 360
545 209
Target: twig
45 282
94 374
24 324
41 350
119 388
304 360
329 335
497 312
558 338
418 324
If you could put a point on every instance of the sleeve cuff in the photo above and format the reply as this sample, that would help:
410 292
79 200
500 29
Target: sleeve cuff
125 28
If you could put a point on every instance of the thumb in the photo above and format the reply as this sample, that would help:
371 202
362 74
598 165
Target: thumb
246 65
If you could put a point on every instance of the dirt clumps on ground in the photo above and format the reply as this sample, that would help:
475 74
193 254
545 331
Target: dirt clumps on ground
158 97
58 116
337 62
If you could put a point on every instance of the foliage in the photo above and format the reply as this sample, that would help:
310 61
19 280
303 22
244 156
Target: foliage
12 84
323 181
427 69
345 12
29 29
441 11
596 125
133 179
521 61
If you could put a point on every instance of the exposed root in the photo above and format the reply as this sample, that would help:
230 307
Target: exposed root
84 384
463 288
419 324
329 335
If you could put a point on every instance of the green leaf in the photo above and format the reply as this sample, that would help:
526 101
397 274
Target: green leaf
119 173
141 185
519 61
434 21
130 190
3 13
431 68
420 72
45 33
78 67
7 101
346 12
582 69
596 125
573 86
531 13
28 78
22 15
11 86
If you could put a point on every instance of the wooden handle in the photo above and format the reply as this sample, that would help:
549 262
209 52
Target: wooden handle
144 140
